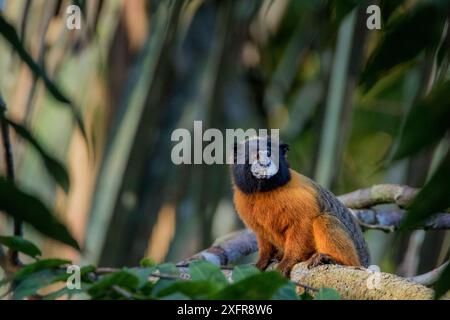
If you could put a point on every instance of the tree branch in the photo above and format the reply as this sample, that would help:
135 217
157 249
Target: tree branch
229 249
360 284
350 282
431 277
389 220
380 194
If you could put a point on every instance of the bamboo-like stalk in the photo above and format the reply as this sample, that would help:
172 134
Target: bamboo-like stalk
335 102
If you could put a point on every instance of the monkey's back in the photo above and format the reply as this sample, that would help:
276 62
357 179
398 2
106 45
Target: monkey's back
329 203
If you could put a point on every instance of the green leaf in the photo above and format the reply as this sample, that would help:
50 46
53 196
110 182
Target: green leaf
147 262
32 283
9 33
193 289
176 296
62 292
21 245
244 271
30 209
54 167
327 294
262 286
427 122
306 296
398 46
168 268
162 284
123 279
442 286
286 292
142 274
205 270
433 198
38 266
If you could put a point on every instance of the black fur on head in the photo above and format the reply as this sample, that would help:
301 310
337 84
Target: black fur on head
242 174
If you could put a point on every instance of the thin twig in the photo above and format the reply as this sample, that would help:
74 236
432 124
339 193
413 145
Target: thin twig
306 287
186 265
125 293
103 271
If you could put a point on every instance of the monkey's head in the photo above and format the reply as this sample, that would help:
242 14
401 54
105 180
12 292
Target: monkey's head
260 165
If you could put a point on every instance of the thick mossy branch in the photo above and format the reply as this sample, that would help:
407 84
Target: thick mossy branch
360 284
350 282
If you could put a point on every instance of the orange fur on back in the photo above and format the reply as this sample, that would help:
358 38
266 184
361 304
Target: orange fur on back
288 220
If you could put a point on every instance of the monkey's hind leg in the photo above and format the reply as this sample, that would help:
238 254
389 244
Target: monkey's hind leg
267 251
333 243
293 253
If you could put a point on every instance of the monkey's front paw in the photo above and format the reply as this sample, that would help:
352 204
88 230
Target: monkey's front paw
318 259
262 264
285 268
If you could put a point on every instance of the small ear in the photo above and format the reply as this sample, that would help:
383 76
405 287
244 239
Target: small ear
284 147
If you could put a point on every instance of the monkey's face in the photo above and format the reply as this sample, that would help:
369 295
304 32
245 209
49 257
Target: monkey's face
260 165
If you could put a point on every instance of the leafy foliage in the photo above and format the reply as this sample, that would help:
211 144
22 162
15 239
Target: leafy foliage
9 33
425 125
21 245
30 209
54 167
206 281
433 111
397 46
327 294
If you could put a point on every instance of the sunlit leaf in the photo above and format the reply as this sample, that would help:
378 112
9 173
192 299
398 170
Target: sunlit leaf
243 271
31 210
147 262
21 245
205 270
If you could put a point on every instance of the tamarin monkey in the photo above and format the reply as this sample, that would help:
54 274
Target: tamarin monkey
294 218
